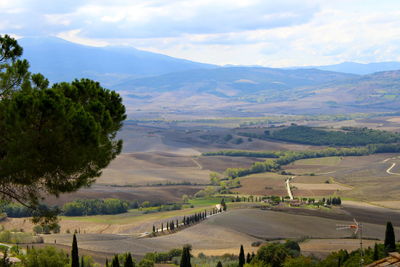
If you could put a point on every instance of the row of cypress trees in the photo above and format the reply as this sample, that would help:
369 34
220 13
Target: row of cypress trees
189 220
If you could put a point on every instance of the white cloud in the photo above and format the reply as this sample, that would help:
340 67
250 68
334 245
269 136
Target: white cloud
266 32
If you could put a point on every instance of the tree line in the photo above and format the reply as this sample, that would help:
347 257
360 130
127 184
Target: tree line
346 136
286 157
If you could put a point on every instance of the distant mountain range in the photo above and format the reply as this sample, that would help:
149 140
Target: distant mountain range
60 60
152 83
359 68
238 82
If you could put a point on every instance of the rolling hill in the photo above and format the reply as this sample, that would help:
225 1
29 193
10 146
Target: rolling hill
377 91
254 91
234 82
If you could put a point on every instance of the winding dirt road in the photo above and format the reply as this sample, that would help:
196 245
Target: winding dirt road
389 170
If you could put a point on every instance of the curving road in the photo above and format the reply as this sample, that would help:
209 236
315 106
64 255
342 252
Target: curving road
389 170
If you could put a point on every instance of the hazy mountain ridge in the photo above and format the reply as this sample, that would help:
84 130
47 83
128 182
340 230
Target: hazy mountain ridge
361 68
60 60
377 90
157 81
234 81
239 90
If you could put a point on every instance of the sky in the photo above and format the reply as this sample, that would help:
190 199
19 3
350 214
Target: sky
274 33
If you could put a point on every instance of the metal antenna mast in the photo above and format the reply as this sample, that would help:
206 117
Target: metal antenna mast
358 228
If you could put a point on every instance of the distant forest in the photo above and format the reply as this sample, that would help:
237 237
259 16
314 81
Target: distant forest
346 136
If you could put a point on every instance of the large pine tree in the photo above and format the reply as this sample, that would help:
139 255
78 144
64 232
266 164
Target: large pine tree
74 253
242 259
390 240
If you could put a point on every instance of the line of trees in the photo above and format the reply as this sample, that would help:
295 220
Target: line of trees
241 153
86 207
347 136
188 220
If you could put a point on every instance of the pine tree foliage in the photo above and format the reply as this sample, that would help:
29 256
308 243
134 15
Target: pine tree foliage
38 122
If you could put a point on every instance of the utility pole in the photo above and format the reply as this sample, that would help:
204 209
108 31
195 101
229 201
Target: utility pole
358 228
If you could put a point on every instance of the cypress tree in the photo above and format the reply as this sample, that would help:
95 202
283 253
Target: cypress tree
82 262
248 258
219 264
185 259
376 253
74 253
107 262
223 204
242 260
128 261
115 262
390 240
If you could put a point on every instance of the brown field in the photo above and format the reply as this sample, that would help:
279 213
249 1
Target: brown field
221 163
388 204
263 184
322 247
155 194
152 168
314 190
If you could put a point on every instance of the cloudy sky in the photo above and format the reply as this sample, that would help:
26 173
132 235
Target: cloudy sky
273 33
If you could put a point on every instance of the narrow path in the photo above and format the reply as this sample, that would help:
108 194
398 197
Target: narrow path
389 170
289 191
198 164
324 173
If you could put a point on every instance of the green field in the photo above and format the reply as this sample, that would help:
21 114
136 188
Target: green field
328 161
